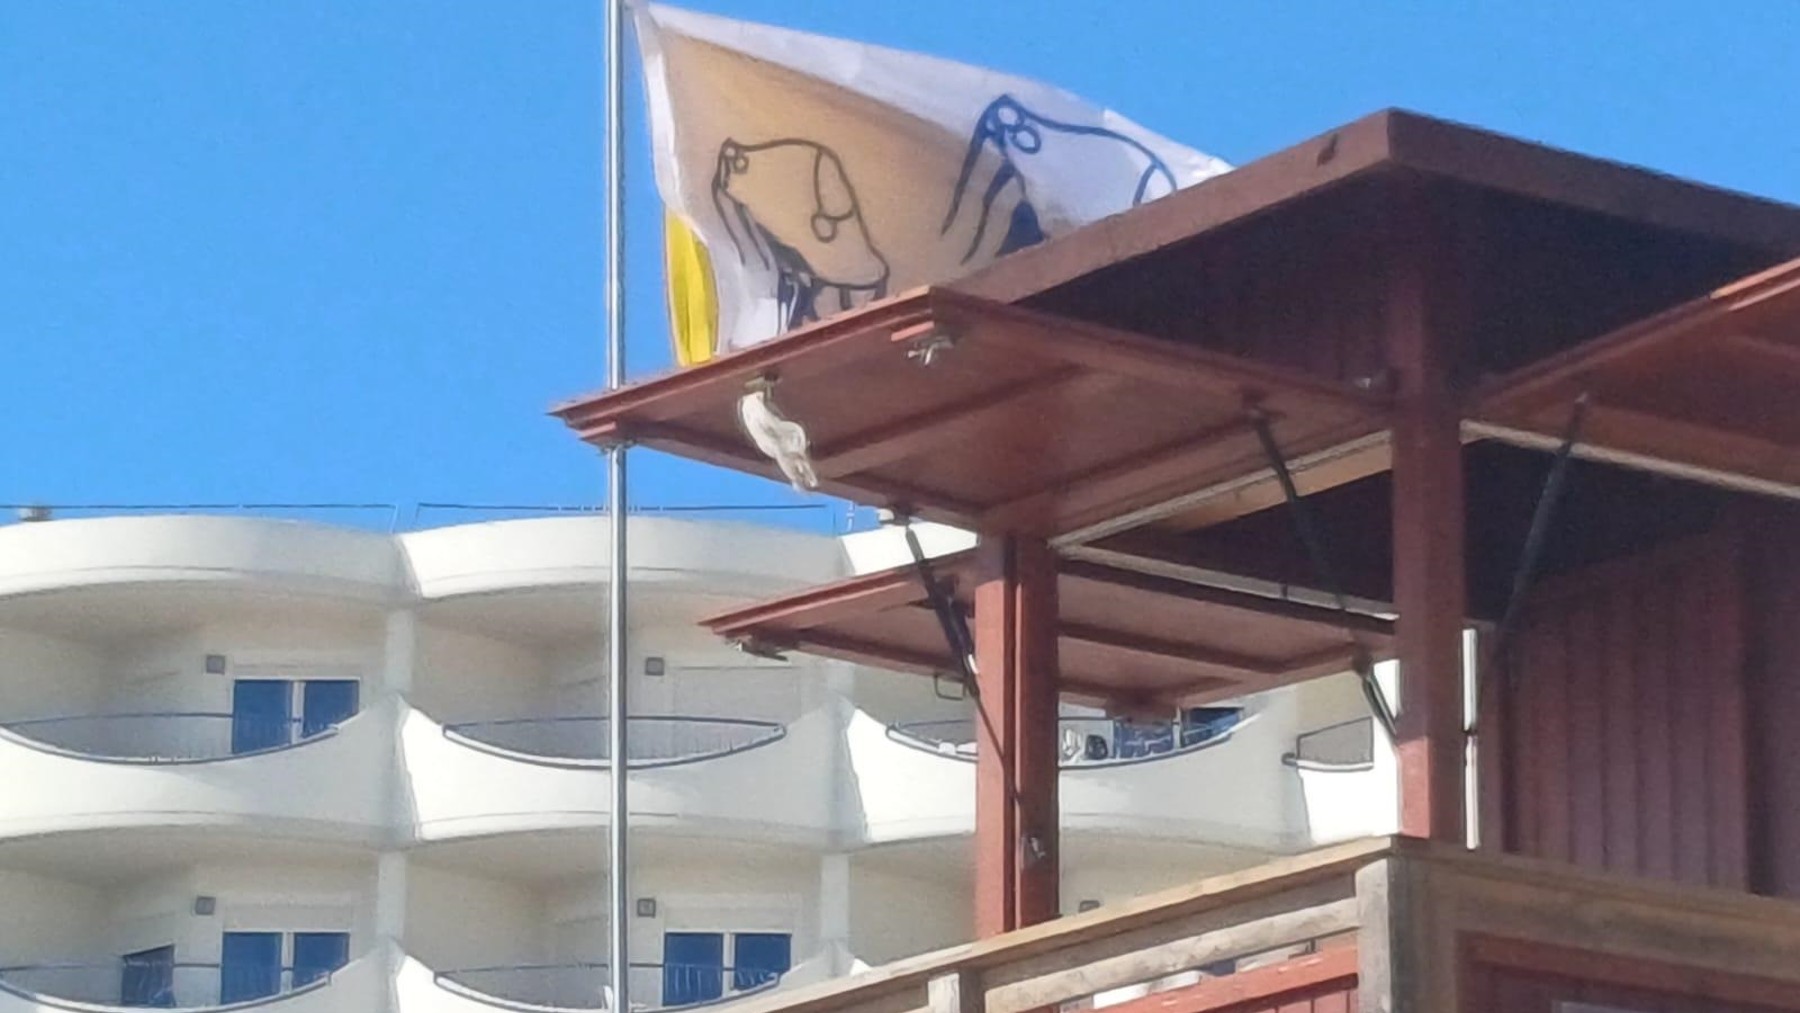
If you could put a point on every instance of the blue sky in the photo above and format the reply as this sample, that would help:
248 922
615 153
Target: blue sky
349 250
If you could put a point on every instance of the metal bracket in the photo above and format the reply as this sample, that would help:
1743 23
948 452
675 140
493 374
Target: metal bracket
759 649
1307 528
925 350
949 616
1535 536
762 383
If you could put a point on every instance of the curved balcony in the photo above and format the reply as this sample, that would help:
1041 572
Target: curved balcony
172 737
170 770
581 986
703 775
1085 742
1347 775
1217 779
654 741
122 984
197 550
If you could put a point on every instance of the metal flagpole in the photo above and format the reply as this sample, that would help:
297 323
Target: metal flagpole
618 953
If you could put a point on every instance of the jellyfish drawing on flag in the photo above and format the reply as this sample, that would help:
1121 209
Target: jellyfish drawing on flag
790 202
1006 139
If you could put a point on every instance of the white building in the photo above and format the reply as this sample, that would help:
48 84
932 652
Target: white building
276 763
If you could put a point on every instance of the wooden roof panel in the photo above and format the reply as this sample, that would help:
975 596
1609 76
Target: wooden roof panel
1123 636
1707 385
1023 422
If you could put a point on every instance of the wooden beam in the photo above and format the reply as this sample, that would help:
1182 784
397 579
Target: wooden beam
858 596
1080 569
1430 583
899 439
1275 986
1778 286
1199 654
1016 823
1090 493
1145 963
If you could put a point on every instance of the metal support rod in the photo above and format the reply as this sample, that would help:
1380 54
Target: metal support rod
1532 554
1308 531
949 617
618 597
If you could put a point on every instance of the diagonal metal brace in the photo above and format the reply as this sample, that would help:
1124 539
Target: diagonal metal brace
949 616
1531 556
1308 530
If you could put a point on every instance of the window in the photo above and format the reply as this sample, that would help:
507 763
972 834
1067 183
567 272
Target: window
326 703
259 714
760 958
317 954
148 978
694 963
264 712
252 964
249 966
693 967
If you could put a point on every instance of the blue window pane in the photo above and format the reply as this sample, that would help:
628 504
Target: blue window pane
693 967
259 714
760 958
249 966
1202 724
317 954
327 703
148 978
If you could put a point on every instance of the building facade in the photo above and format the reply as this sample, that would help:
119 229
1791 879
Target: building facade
250 761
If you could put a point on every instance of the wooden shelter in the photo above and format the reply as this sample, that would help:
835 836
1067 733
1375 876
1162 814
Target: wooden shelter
1440 379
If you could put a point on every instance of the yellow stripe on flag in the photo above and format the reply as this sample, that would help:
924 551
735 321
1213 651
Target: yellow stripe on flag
693 294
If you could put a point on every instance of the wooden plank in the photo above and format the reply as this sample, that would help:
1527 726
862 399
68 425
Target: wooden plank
1636 975
829 603
1081 569
1487 159
957 991
1406 957
1307 167
909 435
1779 284
1621 730
1550 688
1655 668
1198 654
1090 492
1150 962
1327 975
1728 727
814 348
1312 895
1692 733
1588 801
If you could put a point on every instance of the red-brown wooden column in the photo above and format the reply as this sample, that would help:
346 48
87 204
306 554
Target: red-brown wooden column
1016 852
1430 590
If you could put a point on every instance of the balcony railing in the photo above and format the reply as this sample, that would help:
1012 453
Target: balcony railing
156 984
1087 742
1348 745
654 741
1379 924
177 737
581 986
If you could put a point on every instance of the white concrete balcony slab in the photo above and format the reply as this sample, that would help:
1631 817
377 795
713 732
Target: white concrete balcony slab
704 776
123 771
41 988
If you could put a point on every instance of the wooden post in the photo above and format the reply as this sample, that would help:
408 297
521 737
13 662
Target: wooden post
1016 852
1430 590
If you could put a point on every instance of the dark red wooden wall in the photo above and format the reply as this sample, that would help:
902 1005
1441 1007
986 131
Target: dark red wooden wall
1626 723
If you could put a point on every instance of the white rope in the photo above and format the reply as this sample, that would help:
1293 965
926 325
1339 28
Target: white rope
784 442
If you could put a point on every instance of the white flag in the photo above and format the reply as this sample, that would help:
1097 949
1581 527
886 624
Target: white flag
806 175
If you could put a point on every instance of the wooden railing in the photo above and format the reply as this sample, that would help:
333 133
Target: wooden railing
1387 925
